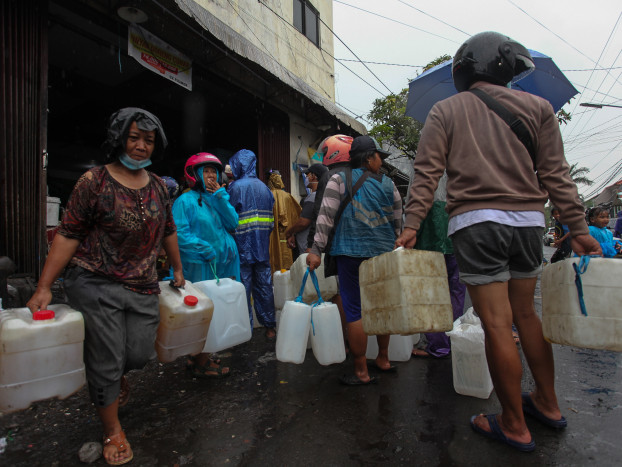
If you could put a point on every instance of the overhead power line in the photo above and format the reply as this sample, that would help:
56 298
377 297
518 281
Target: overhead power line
380 63
554 33
325 51
357 57
434 17
396 21
596 69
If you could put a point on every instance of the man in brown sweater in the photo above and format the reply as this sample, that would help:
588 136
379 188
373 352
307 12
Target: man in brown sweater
495 202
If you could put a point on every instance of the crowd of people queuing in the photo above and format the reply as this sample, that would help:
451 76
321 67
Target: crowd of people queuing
475 197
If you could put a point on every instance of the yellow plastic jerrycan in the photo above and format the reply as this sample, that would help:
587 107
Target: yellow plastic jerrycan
405 292
185 316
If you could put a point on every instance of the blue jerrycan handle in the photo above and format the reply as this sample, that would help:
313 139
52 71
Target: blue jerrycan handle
580 269
302 287
317 288
319 298
315 284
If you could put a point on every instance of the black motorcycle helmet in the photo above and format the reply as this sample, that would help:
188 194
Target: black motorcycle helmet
492 57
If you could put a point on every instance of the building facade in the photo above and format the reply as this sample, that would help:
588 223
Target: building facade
222 75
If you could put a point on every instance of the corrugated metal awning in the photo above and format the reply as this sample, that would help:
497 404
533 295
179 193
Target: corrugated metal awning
243 47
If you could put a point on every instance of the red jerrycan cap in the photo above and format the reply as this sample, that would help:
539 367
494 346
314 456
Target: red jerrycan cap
191 300
42 315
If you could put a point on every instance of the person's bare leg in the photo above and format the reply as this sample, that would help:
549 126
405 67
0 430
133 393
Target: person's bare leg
492 304
358 347
109 417
204 360
344 324
382 360
538 352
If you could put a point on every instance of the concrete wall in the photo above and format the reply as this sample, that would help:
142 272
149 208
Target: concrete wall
302 136
270 27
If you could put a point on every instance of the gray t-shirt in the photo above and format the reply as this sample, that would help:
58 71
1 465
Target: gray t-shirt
307 213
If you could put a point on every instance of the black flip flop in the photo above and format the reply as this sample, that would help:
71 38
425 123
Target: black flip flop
353 380
391 369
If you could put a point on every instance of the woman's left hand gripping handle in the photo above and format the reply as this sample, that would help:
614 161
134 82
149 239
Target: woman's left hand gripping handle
40 299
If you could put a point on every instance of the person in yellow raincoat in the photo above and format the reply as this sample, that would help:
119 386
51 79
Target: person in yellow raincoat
286 211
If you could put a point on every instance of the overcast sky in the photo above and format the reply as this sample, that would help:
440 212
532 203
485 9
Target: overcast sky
583 38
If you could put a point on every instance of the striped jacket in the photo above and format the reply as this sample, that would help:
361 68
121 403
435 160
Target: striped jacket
368 226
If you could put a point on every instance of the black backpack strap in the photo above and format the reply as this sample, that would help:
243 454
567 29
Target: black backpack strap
515 123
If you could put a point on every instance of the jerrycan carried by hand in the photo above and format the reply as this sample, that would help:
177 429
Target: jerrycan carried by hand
326 331
294 327
327 285
185 316
581 300
231 324
40 355
405 292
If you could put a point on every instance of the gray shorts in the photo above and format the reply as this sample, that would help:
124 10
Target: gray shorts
120 330
490 252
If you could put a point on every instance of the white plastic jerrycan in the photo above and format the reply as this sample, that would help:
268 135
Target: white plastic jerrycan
405 292
291 340
400 348
327 334
185 316
40 355
231 324
294 328
283 288
327 285
468 357
598 325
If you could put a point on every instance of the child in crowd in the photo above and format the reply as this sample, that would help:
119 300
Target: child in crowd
598 218
562 238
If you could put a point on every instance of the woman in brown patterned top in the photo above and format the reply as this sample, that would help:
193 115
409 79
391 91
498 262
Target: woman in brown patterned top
117 219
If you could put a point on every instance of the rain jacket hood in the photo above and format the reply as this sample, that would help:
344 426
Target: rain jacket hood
119 127
205 223
243 164
201 186
253 202
275 182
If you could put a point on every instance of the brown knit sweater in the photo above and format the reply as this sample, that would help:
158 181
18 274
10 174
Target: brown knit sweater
488 167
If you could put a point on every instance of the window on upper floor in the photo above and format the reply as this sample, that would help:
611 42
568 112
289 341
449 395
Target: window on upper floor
307 20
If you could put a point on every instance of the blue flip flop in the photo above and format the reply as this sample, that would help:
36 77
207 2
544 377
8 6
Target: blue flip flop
498 435
530 409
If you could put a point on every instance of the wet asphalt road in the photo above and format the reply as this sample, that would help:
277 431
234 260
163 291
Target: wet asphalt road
273 413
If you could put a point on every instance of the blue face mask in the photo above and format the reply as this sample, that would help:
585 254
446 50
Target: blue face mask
133 164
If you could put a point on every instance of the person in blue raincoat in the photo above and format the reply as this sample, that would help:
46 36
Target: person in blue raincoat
253 201
597 219
205 222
